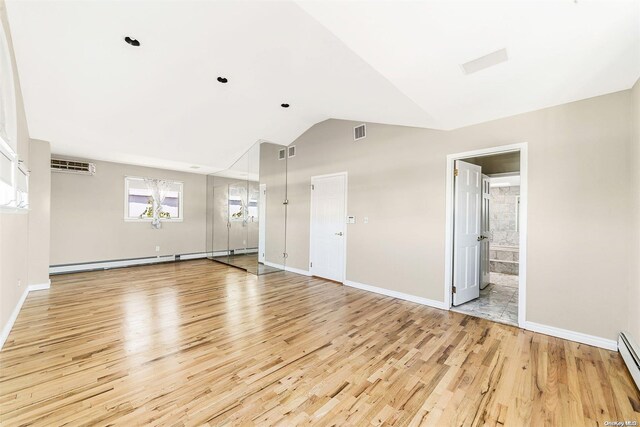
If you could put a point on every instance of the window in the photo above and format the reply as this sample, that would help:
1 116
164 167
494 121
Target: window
14 181
140 204
241 209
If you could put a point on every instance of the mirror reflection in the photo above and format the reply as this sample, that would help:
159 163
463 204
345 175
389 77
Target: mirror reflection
246 211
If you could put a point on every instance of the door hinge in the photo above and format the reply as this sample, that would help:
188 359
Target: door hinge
285 255
313 187
311 264
455 172
454 289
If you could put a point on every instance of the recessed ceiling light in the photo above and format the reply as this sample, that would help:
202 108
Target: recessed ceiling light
194 167
284 105
132 42
222 79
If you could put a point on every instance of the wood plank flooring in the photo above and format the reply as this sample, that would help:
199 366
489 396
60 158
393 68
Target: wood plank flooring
200 343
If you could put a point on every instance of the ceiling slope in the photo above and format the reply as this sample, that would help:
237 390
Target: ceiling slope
92 95
559 51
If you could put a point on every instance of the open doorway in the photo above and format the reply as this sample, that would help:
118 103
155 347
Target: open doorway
486 231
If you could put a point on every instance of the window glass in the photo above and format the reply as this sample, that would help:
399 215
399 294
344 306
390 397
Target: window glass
140 203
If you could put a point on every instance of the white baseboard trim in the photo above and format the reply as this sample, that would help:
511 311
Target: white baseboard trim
105 265
39 286
14 314
572 336
396 294
297 271
193 256
245 251
287 268
12 318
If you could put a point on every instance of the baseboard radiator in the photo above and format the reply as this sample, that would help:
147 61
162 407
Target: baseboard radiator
129 262
630 353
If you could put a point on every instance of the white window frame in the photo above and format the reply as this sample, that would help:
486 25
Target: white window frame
127 218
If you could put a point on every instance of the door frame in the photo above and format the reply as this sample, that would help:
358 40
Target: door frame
262 223
522 276
346 190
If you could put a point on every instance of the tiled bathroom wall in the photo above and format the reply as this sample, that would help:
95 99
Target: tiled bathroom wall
503 218
504 236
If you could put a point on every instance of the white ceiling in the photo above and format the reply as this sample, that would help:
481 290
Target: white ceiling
92 95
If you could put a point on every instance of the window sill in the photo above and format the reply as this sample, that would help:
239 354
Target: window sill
13 210
150 219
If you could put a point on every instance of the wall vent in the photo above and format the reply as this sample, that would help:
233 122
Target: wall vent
282 154
72 166
292 151
359 132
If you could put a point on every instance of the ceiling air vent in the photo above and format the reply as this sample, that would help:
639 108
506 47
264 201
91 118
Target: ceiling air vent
359 132
72 166
494 58
282 154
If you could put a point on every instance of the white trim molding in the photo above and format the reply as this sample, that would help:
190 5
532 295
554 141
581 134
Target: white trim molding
396 294
12 319
287 268
16 310
40 286
572 336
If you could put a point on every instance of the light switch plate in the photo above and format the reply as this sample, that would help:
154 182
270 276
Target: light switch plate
366 220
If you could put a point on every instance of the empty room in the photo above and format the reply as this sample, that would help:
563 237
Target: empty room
336 213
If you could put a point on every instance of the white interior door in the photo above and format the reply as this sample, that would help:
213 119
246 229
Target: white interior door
467 232
328 227
262 223
485 265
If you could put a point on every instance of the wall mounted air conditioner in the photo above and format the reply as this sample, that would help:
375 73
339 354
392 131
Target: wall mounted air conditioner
73 166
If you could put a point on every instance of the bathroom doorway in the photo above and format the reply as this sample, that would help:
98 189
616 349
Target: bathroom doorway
486 222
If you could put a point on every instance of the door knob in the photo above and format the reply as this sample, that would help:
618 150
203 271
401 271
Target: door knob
339 234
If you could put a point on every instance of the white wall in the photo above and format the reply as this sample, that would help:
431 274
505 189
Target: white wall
87 217
40 214
634 285
19 264
578 252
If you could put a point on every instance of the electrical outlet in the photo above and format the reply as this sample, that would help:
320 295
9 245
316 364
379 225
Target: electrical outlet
157 248
366 220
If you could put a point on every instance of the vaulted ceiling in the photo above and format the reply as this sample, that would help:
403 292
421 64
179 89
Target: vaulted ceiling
92 95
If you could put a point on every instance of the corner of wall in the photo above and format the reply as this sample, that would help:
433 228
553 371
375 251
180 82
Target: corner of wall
634 283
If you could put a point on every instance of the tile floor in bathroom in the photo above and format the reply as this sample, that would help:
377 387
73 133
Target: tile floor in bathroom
497 302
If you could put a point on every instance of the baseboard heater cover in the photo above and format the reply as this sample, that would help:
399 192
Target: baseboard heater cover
105 265
630 353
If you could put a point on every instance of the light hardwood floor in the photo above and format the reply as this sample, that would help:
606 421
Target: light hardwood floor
200 343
